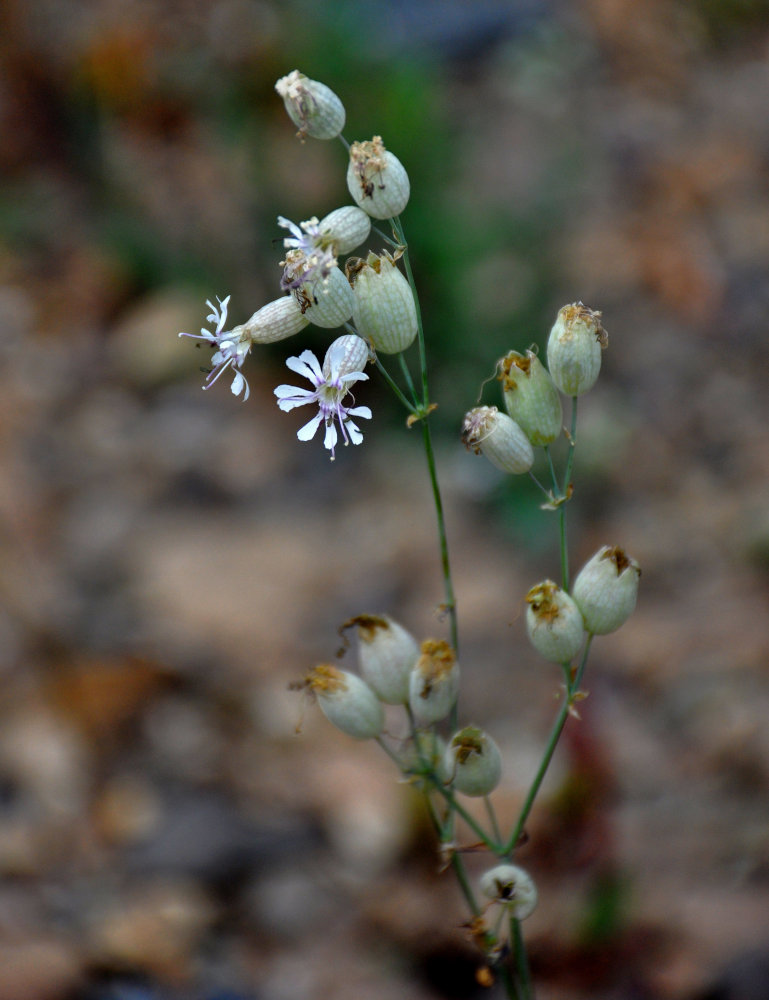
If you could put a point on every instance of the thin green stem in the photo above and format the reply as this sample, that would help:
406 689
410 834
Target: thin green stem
555 734
385 237
525 990
448 585
565 493
398 230
407 376
492 818
411 407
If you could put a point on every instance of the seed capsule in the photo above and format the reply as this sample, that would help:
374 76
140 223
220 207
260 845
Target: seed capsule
531 397
473 761
434 682
512 887
486 430
347 701
345 228
326 302
277 320
554 622
383 309
387 654
574 349
377 180
312 106
606 589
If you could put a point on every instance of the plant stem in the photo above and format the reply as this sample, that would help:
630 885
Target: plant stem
555 734
525 991
448 586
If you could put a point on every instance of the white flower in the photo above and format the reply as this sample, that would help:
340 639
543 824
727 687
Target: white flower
232 348
311 253
341 369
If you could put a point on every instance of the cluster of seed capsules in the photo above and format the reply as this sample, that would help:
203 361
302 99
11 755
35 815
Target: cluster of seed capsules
395 669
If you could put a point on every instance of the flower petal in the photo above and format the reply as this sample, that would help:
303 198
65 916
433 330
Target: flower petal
331 438
307 433
353 432
307 365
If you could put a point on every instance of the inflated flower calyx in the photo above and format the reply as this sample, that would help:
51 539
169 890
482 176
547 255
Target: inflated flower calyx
512 887
473 762
326 302
434 682
574 348
346 701
345 355
377 180
312 106
554 622
383 309
346 228
277 320
487 431
313 247
606 589
531 397
387 654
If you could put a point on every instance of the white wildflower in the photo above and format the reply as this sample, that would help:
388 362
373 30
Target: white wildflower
232 347
311 255
341 369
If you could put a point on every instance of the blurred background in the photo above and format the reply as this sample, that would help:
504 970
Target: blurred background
171 560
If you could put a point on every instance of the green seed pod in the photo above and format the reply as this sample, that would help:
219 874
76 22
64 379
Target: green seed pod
606 589
486 430
473 762
377 180
554 622
574 349
512 887
345 228
387 654
312 106
531 397
347 701
383 310
326 302
434 682
277 320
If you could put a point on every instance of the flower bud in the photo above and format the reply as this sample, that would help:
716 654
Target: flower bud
383 309
574 349
377 180
531 397
345 228
347 701
554 622
312 106
606 589
277 320
326 302
386 653
512 887
345 355
473 762
434 682
486 430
